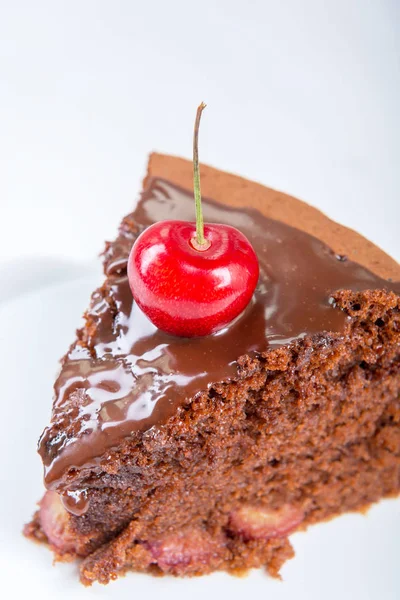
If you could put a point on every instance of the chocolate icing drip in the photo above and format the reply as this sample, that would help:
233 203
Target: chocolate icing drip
134 377
75 502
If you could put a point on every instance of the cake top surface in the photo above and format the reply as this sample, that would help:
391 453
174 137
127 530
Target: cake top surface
237 191
124 374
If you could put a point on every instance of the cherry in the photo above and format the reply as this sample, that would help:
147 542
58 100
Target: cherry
189 292
192 279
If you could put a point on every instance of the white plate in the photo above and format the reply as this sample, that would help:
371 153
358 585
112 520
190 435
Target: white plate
352 557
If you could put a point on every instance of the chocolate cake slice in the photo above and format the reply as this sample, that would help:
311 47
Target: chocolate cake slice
185 456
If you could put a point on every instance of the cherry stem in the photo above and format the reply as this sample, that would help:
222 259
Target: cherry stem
200 239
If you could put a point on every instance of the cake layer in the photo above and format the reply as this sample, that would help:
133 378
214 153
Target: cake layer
292 432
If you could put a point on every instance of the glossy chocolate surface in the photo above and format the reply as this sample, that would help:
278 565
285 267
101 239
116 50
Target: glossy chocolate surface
132 376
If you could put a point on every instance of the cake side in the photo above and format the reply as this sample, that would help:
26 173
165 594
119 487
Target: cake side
301 426
234 190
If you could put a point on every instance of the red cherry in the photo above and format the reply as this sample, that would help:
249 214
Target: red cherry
192 280
189 292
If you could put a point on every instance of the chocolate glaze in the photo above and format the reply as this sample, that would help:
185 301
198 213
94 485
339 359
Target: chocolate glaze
75 502
134 377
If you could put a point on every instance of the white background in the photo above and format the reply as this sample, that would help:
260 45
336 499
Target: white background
303 96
